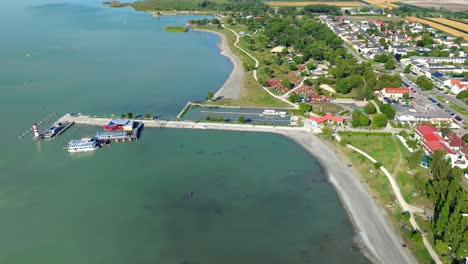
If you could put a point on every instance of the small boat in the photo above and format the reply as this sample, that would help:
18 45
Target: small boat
83 145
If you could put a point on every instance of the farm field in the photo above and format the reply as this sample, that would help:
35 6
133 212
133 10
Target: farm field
383 3
299 4
438 26
452 23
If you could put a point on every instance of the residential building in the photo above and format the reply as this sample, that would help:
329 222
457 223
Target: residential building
395 92
316 121
457 85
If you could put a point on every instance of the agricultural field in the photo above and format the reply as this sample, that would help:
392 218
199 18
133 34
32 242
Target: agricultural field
383 3
300 4
452 23
441 27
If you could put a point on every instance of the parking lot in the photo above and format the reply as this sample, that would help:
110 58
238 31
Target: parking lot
252 115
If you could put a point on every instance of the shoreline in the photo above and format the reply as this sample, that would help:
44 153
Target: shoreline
232 86
375 235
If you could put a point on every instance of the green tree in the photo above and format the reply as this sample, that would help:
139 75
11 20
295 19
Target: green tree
462 94
210 96
356 118
364 120
406 96
242 119
415 158
387 110
129 115
379 121
377 165
407 68
123 116
370 108
416 236
293 98
424 82
390 64
148 115
305 108
465 138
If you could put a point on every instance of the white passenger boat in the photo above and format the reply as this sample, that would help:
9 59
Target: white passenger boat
83 145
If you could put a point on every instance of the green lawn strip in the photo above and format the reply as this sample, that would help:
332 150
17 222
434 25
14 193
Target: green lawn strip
459 109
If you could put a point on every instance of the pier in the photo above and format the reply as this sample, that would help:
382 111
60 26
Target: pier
97 121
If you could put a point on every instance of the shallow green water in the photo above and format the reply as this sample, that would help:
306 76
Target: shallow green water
258 198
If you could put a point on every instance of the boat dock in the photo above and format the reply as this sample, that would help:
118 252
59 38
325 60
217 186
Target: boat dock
120 135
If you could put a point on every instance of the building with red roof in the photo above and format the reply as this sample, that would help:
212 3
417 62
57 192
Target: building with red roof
316 121
395 92
455 142
432 140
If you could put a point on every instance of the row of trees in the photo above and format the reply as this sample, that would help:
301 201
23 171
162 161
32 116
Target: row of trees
360 119
451 201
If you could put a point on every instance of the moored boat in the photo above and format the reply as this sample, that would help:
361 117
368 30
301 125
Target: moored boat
83 145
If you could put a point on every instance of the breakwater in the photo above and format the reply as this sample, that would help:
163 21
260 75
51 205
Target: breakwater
98 121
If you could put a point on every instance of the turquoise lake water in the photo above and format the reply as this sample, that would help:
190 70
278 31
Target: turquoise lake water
258 198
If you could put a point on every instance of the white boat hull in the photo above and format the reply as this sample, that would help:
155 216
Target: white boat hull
74 150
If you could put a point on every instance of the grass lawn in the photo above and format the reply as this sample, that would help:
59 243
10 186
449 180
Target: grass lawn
459 109
251 92
382 147
326 108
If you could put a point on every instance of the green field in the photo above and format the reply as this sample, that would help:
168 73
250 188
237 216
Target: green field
385 151
171 4
176 29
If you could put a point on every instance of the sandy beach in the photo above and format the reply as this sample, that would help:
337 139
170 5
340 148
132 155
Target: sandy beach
232 86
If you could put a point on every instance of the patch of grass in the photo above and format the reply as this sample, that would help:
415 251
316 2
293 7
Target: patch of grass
377 183
459 109
151 5
418 249
176 29
326 108
380 146
252 94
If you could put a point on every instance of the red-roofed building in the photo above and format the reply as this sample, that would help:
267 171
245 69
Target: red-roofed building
432 140
395 92
316 121
457 85
455 142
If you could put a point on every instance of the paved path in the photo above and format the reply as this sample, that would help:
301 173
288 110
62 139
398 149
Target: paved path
377 107
286 95
404 205
370 221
